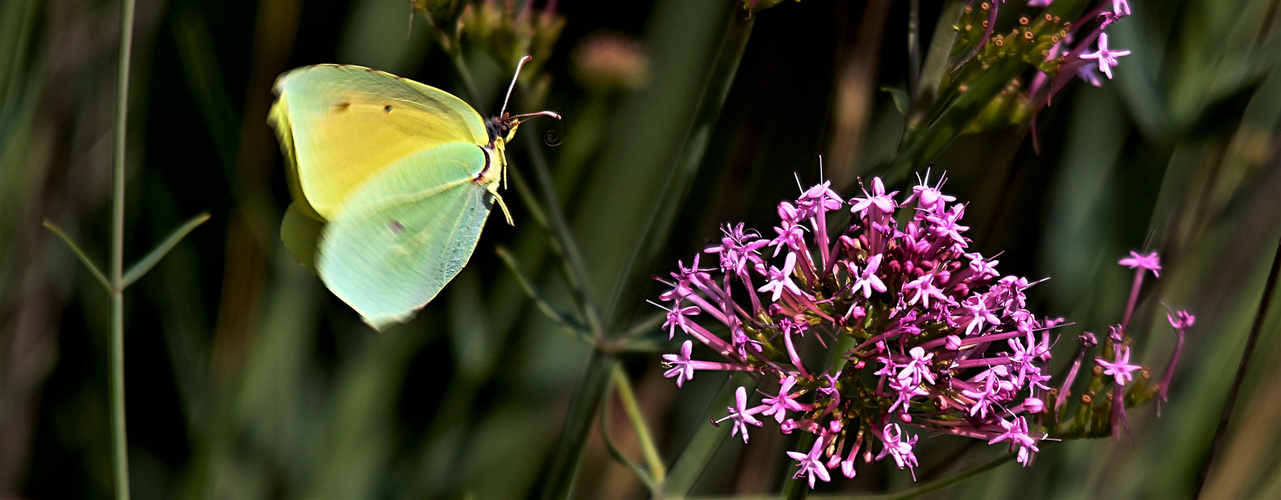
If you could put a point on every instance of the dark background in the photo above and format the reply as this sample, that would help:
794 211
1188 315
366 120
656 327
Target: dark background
246 379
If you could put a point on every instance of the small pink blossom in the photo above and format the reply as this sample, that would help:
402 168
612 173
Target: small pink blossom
1106 57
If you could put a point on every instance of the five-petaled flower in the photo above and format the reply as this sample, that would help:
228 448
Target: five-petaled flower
1121 370
1106 57
1150 262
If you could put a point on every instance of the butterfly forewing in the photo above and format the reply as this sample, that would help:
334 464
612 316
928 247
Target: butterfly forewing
345 124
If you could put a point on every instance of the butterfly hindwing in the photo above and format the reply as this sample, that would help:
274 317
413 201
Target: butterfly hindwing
406 232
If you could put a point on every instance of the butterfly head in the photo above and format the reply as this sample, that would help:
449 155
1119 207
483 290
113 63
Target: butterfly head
504 125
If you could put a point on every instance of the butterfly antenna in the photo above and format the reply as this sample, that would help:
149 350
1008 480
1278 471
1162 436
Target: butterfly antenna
511 87
411 20
551 114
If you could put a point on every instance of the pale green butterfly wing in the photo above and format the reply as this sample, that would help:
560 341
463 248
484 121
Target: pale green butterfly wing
403 234
341 125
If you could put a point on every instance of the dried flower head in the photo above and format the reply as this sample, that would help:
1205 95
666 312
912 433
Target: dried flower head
609 61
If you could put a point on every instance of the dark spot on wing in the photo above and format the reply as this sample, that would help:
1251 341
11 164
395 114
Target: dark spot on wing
342 106
396 227
386 108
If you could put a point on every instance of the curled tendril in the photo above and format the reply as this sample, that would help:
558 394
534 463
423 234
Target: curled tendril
553 138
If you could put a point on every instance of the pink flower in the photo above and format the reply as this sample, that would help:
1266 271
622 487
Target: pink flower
811 463
1121 370
1107 58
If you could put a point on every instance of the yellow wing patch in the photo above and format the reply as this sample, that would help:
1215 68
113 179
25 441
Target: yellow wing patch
348 123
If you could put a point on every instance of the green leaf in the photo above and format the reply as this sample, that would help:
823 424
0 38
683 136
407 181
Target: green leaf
560 316
935 68
142 266
582 408
76 250
689 465
901 102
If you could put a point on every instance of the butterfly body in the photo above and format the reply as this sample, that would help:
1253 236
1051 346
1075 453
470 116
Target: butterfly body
392 181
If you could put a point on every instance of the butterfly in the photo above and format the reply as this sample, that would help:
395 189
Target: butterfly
391 180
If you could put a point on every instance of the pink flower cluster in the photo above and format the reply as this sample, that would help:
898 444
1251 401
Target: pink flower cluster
931 337
1075 60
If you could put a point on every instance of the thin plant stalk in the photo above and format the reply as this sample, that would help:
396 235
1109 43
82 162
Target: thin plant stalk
628 397
119 442
590 388
573 437
1242 368
676 185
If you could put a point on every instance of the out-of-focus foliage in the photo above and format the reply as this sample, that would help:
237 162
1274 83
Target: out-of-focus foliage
246 379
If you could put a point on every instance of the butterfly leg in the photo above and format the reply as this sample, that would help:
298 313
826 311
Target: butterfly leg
493 189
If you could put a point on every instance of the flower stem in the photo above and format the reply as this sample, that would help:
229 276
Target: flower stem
1268 287
456 57
676 185
583 406
628 396
116 362
575 271
590 388
922 146
944 482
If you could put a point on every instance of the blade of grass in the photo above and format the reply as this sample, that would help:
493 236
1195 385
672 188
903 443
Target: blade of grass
567 246
586 400
141 267
913 46
680 175
934 70
588 392
204 77
79 253
708 438
1247 355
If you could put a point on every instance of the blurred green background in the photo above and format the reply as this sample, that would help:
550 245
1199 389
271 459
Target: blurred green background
246 379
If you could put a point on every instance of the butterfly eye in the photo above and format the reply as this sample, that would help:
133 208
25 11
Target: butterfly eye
386 108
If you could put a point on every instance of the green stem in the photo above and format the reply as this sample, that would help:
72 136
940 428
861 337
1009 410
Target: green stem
913 47
587 395
605 434
116 362
456 57
924 145
676 185
628 396
586 400
943 483
1247 355
699 449
575 270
